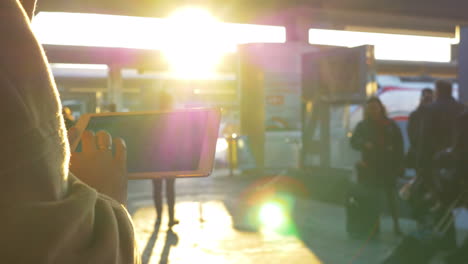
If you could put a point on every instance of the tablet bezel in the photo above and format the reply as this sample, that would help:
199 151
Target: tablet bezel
206 163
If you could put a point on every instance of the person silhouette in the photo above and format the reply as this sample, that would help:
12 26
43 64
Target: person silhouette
166 102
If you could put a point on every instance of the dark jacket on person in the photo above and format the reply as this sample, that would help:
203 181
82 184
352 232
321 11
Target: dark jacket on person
438 129
385 159
414 126
461 146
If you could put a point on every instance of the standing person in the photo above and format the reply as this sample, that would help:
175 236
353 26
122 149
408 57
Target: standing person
414 124
380 142
438 128
166 103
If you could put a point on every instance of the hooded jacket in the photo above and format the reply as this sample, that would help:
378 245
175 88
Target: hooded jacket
47 215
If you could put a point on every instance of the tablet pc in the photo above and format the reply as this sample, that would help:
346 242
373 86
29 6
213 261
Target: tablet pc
178 143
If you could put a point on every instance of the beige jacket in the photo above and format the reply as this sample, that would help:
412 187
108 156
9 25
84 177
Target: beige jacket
46 214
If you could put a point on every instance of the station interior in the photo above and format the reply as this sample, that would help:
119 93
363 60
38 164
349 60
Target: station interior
290 78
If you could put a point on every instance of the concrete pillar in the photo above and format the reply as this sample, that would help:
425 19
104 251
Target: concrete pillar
463 64
297 30
115 86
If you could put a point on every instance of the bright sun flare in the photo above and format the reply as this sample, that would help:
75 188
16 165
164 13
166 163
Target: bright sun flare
194 43
272 216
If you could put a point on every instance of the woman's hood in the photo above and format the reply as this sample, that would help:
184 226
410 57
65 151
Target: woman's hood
34 146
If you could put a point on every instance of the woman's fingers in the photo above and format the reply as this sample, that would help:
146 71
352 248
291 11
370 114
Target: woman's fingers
120 151
88 141
103 141
97 167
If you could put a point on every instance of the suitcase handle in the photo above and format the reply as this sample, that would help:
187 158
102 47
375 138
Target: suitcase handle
448 215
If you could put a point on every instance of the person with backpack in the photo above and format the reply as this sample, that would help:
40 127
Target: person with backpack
450 174
438 128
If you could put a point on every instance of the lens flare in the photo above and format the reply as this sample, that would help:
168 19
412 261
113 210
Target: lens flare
272 216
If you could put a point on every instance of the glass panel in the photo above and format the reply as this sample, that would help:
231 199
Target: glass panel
342 121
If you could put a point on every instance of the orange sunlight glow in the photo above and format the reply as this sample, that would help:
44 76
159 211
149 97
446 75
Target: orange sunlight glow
195 42
192 40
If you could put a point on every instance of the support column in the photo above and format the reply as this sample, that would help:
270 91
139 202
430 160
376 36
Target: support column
297 30
115 87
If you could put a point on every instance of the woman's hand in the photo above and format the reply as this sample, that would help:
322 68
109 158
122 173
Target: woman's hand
98 167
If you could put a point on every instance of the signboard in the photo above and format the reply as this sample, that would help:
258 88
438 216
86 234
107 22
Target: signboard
282 101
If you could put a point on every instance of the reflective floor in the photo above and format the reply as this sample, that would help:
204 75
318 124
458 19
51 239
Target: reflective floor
208 233
213 240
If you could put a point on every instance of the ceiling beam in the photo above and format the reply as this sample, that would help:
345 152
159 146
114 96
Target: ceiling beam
249 11
144 60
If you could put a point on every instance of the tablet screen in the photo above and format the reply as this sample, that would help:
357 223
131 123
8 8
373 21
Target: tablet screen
158 142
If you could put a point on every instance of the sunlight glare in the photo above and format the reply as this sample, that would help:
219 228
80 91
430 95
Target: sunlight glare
97 30
193 42
222 145
272 216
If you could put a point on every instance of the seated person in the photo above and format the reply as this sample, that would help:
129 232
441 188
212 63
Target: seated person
48 214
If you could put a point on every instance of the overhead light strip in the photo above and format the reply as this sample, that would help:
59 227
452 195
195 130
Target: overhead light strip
80 29
388 46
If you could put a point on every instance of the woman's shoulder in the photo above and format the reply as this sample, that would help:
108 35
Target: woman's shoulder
361 125
363 122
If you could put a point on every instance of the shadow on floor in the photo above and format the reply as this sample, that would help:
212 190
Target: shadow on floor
172 239
147 252
322 228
